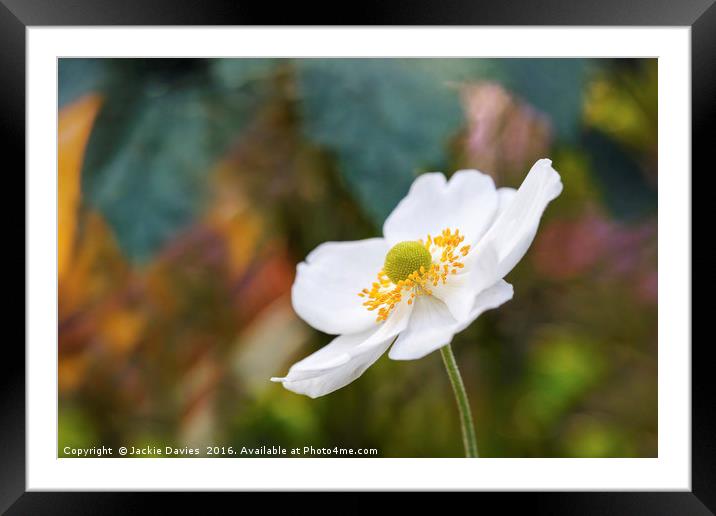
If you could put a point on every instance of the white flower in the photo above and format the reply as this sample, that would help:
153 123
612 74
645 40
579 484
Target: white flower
440 264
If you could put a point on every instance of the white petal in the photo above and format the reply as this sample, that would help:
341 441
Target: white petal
325 292
467 202
516 225
481 268
432 325
345 358
498 294
505 196
457 293
332 367
480 272
397 321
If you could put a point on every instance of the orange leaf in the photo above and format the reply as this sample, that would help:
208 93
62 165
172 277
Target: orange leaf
75 124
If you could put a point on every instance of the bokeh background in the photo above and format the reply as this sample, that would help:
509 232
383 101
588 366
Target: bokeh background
189 190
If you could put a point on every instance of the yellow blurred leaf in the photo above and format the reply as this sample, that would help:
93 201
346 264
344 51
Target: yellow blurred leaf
234 217
75 124
70 372
625 107
122 328
96 268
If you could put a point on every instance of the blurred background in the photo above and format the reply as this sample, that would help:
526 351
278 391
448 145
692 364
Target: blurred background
190 188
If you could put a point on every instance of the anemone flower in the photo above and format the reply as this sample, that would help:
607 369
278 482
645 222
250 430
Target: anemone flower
445 250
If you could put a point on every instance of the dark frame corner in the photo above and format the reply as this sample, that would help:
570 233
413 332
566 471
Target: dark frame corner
700 15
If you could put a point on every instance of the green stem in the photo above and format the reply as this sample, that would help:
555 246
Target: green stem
463 405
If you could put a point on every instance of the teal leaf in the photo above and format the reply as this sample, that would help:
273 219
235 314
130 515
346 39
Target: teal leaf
553 86
79 76
162 128
385 120
235 73
149 186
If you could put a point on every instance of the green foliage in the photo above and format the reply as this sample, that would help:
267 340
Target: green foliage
591 437
277 418
562 367
75 430
626 191
385 121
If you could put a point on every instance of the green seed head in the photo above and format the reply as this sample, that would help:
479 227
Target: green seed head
405 258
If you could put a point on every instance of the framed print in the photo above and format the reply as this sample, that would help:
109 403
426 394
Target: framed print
438 251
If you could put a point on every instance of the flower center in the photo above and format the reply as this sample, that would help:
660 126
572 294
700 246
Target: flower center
405 258
412 267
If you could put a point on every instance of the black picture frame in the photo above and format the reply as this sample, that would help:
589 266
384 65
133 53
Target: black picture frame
17 15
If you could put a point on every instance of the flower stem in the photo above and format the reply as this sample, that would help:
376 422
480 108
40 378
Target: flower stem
463 405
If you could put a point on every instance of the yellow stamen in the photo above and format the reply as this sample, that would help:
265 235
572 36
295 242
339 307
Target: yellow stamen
442 257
